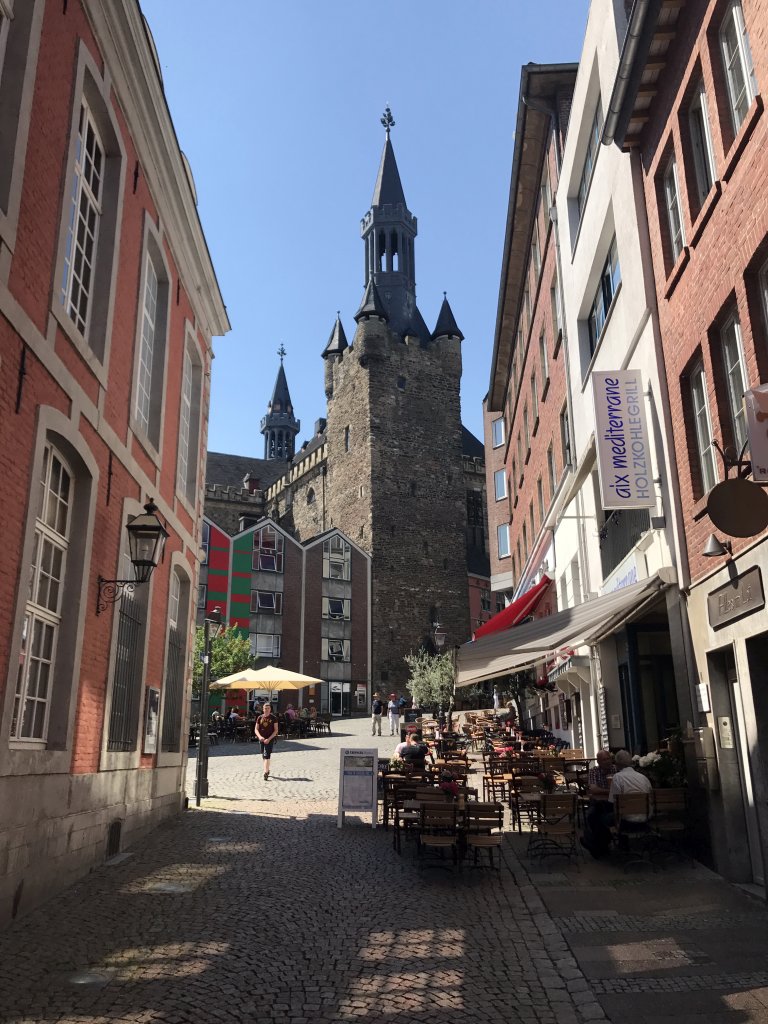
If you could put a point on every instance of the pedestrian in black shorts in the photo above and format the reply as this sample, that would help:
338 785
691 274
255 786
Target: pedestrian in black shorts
266 734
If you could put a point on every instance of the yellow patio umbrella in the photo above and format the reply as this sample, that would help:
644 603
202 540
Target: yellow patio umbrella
268 678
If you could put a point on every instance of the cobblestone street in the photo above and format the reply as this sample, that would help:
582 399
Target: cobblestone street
258 907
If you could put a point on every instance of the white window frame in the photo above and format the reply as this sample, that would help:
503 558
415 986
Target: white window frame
190 418
605 295
763 285
330 612
590 159
551 470
205 542
262 551
701 142
502 540
497 432
335 649
735 372
337 559
83 202
148 346
41 613
737 60
260 602
534 397
202 595
260 648
543 359
702 421
500 484
673 206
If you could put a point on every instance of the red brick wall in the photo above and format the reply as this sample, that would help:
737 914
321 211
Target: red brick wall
33 281
724 251
551 395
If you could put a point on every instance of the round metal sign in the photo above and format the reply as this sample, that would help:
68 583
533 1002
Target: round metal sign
738 507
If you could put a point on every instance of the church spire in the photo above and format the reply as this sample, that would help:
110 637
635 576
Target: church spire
389 230
280 426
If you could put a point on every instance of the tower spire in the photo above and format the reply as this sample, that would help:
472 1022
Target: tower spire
280 426
389 230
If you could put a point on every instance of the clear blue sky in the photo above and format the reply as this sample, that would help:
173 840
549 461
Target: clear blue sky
277 106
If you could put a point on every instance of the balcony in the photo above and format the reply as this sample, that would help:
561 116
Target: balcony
622 529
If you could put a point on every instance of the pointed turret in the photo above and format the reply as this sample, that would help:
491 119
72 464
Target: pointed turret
337 343
388 189
446 326
280 426
372 304
389 231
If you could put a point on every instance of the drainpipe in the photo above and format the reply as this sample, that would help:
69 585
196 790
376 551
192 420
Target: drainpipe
637 19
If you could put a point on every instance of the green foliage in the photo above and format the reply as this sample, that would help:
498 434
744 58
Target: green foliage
518 687
230 652
432 678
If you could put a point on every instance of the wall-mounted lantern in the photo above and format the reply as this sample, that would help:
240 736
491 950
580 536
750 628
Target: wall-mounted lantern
146 541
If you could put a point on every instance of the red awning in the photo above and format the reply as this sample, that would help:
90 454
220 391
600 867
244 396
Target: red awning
515 612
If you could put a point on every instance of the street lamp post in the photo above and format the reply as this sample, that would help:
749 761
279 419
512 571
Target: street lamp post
214 618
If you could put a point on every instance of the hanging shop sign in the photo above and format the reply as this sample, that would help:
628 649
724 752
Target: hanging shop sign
756 405
740 596
623 442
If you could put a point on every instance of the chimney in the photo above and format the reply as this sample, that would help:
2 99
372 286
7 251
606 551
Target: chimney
320 426
251 482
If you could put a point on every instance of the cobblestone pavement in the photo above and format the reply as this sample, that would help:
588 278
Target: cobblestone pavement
258 907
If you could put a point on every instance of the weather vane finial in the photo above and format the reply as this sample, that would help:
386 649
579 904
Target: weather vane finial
387 120
281 352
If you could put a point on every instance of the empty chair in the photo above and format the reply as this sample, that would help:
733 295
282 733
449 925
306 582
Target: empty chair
553 833
484 823
438 831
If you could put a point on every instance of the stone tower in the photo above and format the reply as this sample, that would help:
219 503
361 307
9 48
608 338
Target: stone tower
394 442
280 426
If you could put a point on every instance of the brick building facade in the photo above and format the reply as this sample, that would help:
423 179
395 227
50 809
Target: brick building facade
692 116
108 302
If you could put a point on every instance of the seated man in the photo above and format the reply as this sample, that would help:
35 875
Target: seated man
629 780
415 752
626 780
599 817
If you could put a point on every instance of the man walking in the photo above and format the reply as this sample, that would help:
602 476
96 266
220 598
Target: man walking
393 713
377 710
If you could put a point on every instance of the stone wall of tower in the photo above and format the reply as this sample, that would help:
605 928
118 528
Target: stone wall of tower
399 489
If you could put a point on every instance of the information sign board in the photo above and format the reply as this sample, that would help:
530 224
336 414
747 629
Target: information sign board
358 771
623 443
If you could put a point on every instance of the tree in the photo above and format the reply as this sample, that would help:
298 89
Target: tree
230 652
519 686
432 678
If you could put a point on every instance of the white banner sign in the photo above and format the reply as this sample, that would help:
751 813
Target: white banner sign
623 442
756 402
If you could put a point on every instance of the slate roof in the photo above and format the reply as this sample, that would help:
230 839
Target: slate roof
230 470
388 187
470 445
446 326
337 342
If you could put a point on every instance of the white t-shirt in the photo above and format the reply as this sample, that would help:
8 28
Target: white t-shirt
630 781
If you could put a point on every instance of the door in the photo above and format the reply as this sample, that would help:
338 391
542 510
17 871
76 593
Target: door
747 789
346 699
734 819
336 700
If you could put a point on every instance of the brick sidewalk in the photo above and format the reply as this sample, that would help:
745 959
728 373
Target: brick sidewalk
258 907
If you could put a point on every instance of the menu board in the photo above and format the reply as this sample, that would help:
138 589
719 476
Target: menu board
357 783
603 716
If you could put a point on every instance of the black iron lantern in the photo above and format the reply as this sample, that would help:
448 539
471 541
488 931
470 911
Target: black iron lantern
146 538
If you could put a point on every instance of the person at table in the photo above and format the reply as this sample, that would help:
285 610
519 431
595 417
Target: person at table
626 780
393 714
290 713
599 816
496 700
415 754
266 734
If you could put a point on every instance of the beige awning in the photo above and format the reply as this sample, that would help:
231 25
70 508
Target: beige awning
522 646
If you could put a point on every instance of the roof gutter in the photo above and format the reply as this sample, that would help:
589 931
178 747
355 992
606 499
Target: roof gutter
629 52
